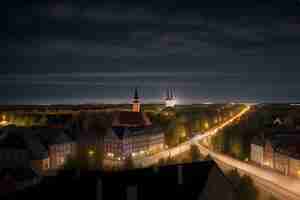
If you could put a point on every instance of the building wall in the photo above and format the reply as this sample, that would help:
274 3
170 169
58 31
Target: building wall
281 163
136 107
294 167
59 153
134 145
41 166
268 155
257 154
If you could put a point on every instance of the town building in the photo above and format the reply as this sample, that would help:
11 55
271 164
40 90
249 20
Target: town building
13 150
257 150
281 152
20 149
59 145
132 134
42 149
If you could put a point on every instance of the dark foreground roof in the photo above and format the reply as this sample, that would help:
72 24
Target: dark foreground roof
128 118
201 181
51 136
12 179
13 141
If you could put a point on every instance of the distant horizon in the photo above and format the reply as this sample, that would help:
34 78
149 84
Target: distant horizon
149 102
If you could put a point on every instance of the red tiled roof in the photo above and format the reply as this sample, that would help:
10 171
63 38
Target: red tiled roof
127 118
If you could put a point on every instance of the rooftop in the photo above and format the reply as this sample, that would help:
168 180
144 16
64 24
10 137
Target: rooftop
185 181
130 119
51 136
13 141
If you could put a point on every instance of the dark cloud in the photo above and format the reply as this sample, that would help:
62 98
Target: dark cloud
246 47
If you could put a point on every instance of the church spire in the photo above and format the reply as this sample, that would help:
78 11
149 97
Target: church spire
136 95
136 107
173 93
167 94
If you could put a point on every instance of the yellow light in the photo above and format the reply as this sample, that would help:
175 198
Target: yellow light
298 172
91 153
110 155
206 125
133 154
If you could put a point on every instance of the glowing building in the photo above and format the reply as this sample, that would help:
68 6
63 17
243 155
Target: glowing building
170 100
132 134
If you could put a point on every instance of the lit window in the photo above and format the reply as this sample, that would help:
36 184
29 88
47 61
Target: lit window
110 155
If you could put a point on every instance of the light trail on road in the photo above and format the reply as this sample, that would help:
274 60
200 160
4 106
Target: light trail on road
185 146
283 187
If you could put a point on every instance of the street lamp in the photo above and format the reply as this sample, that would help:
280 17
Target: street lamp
91 153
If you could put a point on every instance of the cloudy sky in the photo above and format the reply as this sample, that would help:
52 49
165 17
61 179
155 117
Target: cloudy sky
77 52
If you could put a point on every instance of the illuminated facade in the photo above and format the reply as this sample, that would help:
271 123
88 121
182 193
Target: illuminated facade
280 152
132 134
60 147
123 142
170 100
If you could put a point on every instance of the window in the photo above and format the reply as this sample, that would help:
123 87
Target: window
46 164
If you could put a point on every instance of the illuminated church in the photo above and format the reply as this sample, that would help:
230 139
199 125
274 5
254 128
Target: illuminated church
132 134
170 100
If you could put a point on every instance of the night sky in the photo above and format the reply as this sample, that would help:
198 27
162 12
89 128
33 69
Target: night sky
88 52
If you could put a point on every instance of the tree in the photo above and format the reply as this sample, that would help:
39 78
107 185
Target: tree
195 153
180 132
129 163
244 186
72 164
247 190
218 142
43 120
234 177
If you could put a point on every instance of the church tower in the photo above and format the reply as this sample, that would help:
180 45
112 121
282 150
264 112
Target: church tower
170 100
136 106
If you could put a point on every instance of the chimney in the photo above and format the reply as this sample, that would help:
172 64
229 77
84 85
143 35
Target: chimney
179 175
132 192
99 192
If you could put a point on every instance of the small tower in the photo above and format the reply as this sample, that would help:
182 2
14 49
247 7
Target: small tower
136 106
172 95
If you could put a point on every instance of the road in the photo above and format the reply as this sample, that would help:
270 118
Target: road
185 146
282 187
